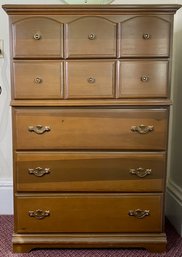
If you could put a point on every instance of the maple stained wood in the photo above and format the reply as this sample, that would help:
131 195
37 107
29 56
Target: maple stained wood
90 128
89 213
35 79
145 37
90 79
143 78
90 37
87 138
89 171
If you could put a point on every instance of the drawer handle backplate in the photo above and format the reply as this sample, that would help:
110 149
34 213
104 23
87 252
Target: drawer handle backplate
92 36
39 214
38 80
39 129
37 36
139 214
39 172
91 80
140 172
146 36
142 129
145 78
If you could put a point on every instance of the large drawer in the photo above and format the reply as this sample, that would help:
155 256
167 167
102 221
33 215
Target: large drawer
37 37
38 79
90 171
83 128
143 78
89 213
145 36
90 79
90 37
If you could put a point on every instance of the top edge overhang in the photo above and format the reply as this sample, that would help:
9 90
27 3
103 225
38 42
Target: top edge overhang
18 9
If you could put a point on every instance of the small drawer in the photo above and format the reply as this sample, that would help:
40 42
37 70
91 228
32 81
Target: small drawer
84 213
37 37
38 79
79 128
91 37
90 171
88 79
143 79
145 36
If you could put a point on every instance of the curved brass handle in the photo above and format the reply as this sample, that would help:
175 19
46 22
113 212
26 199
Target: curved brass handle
91 80
39 172
146 36
39 214
139 214
38 80
39 129
145 78
92 36
140 172
37 36
142 129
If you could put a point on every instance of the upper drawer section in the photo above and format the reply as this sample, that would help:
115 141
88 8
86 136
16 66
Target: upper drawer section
37 79
145 36
37 37
91 37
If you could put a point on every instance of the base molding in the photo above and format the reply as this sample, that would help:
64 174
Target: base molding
154 242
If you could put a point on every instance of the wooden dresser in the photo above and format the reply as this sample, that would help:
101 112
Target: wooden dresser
90 101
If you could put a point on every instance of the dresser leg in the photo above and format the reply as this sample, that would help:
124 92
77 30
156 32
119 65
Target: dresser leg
22 248
157 248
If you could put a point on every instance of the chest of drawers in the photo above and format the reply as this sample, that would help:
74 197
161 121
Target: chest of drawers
90 100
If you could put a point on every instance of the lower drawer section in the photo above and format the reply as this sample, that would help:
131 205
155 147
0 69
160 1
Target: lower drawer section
90 171
83 213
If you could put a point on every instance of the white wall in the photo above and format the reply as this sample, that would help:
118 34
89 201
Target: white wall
174 188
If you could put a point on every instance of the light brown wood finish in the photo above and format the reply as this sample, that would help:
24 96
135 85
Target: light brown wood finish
143 78
90 37
91 129
90 171
38 79
89 213
145 37
37 37
90 79
90 152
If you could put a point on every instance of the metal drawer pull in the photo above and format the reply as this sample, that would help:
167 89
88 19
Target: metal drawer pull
92 36
145 78
38 80
39 129
39 214
139 214
91 80
146 36
37 36
140 172
0 90
39 172
142 129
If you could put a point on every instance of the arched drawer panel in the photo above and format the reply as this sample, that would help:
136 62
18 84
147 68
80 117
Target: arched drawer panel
37 37
145 36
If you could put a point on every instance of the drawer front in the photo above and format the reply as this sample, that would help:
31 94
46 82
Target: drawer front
89 213
145 36
90 79
37 37
91 37
143 78
38 79
89 171
38 128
